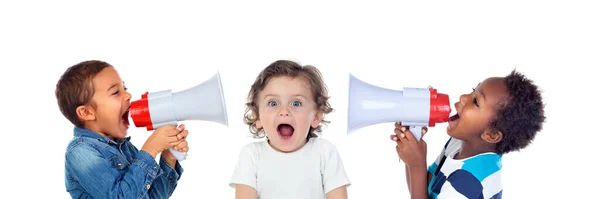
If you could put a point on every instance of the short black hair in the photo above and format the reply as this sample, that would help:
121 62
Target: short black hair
521 116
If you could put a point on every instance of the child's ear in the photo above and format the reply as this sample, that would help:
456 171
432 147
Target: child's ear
85 113
492 136
317 120
258 124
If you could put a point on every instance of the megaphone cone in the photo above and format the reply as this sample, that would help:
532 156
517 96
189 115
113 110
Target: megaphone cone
202 102
414 107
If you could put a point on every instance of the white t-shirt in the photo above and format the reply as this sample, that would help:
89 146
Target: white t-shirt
309 172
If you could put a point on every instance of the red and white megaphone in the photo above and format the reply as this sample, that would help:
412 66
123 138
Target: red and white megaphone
202 102
414 107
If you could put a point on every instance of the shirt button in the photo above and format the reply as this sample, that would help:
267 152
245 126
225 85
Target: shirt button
147 186
119 164
154 167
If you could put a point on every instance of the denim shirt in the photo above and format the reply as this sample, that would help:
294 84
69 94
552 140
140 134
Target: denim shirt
97 167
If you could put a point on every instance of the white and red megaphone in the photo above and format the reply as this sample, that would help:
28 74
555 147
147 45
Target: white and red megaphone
414 107
202 102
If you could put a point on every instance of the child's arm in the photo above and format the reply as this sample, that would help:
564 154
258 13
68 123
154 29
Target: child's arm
244 175
413 153
407 174
172 170
99 178
166 183
243 191
394 137
335 180
338 193
418 182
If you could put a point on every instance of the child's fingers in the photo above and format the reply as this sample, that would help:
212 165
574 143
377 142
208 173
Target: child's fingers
399 134
398 124
175 143
185 149
173 140
409 136
181 146
170 132
183 134
181 127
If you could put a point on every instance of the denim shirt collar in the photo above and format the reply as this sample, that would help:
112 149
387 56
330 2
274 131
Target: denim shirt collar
83 132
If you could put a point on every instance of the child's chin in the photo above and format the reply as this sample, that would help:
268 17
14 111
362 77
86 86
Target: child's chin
121 134
286 146
450 131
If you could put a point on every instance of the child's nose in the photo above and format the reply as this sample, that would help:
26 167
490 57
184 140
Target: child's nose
284 112
127 96
463 98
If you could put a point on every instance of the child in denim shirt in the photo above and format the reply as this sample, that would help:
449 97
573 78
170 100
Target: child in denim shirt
100 161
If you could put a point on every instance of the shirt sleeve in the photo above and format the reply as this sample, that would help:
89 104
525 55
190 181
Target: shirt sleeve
165 184
97 176
332 169
245 170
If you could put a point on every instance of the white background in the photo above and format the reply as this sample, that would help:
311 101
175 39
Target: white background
451 46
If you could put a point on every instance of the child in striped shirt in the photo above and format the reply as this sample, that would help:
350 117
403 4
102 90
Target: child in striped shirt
501 115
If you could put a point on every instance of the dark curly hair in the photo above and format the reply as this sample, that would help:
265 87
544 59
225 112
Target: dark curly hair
521 116
291 69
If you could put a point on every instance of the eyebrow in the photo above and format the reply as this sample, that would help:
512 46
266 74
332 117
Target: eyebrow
298 95
274 95
480 92
114 86
269 95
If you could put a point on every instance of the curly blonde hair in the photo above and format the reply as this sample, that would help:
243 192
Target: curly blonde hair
290 69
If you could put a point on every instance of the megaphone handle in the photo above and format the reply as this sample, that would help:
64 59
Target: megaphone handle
181 156
416 131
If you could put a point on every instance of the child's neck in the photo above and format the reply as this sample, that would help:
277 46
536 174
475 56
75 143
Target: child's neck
96 129
473 148
292 151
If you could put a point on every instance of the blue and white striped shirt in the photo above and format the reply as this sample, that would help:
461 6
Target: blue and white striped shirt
476 177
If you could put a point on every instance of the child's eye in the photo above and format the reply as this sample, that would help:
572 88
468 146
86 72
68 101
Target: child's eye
296 103
272 103
475 101
116 92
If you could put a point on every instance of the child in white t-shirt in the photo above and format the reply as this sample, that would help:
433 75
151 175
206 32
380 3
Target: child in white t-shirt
287 103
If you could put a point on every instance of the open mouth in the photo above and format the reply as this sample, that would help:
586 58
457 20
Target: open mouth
454 118
285 131
125 118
